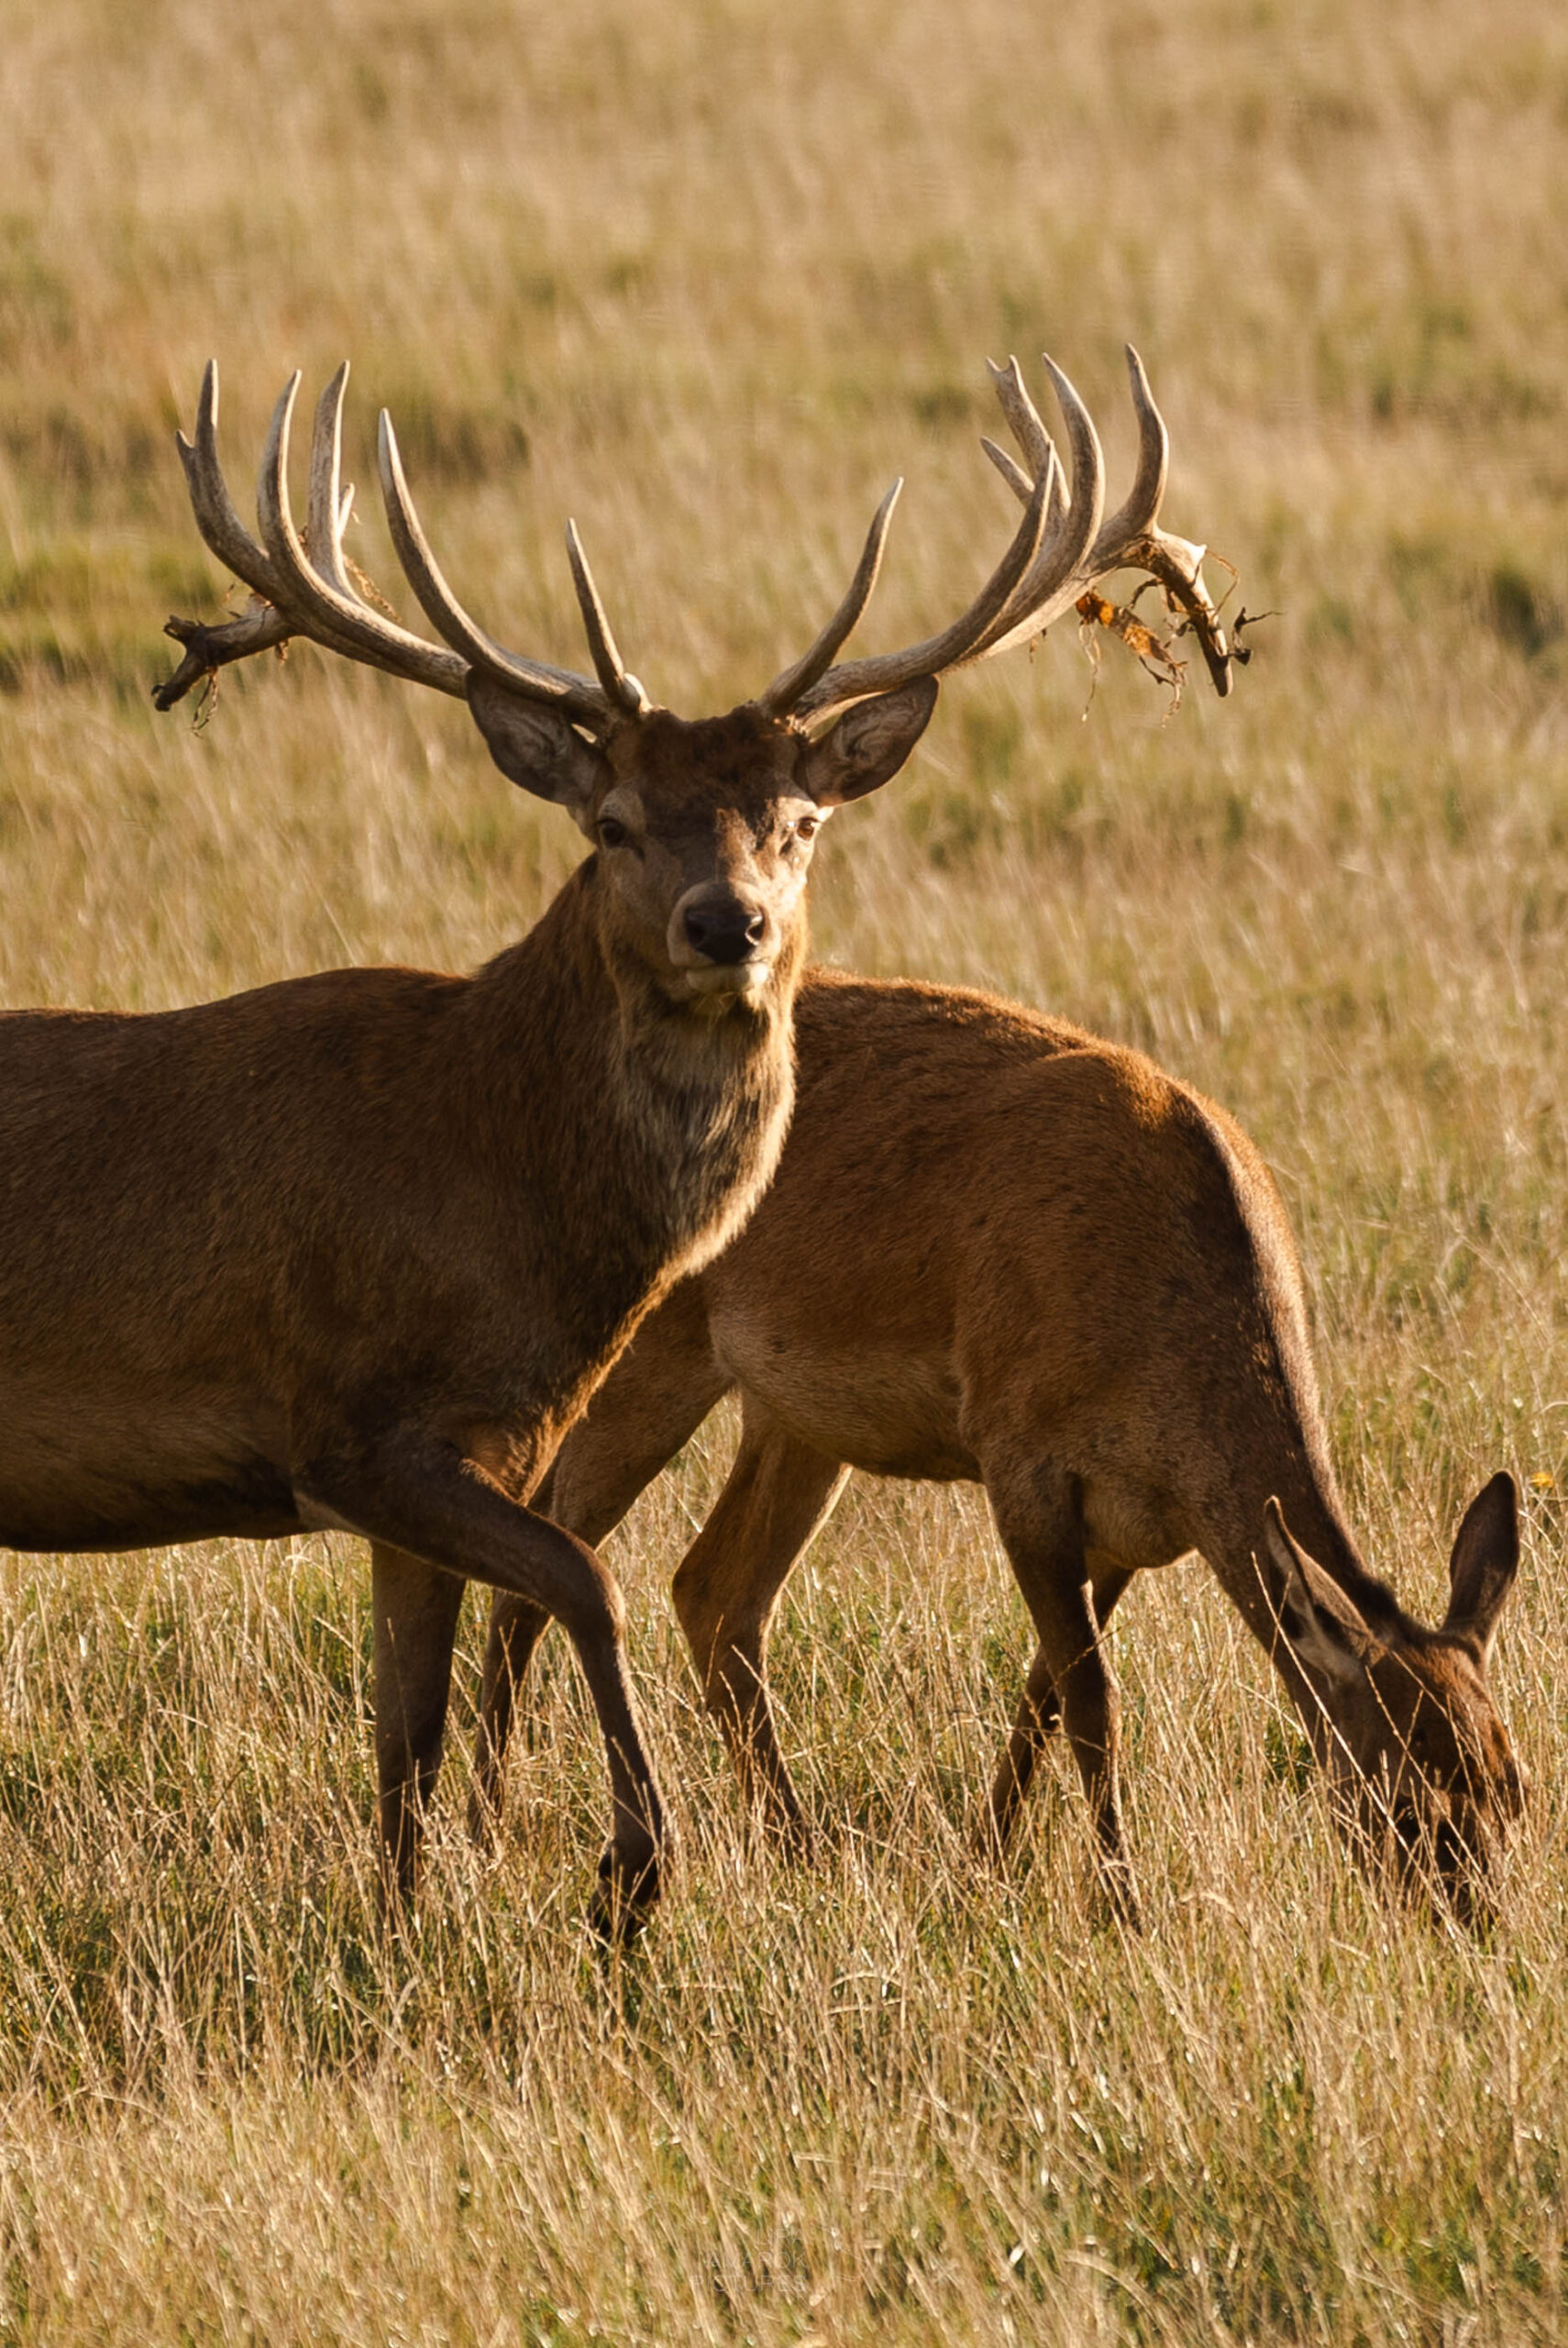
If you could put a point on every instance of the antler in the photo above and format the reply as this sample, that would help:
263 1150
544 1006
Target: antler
1131 539
1072 546
810 685
304 587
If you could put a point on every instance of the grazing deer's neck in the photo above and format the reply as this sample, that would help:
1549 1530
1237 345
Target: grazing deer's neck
643 1131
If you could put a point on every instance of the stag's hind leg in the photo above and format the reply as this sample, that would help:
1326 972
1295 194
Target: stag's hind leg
416 1608
413 1491
779 1494
1039 1513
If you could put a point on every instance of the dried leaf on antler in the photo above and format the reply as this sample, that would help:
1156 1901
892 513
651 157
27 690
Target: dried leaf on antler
1094 610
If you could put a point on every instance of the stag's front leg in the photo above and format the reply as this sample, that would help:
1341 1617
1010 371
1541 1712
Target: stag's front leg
417 1493
1039 1512
652 1402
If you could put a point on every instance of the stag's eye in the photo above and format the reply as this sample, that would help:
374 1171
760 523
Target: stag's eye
807 828
611 833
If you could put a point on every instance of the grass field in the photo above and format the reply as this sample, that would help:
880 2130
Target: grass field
707 276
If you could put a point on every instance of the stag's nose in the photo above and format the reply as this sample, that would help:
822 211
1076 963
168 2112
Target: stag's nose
726 934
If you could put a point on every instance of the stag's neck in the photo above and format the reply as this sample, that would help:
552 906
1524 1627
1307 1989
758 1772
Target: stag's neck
643 1131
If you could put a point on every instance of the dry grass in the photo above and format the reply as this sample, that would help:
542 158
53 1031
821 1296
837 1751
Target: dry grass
708 275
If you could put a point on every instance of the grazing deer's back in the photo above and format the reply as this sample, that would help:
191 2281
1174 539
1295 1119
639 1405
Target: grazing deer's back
989 1184
951 1137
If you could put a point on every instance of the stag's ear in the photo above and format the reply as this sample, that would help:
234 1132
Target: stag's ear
536 747
869 744
1318 1638
1485 1560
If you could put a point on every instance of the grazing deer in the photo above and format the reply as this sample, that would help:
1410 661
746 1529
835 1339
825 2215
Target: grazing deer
352 1251
997 1250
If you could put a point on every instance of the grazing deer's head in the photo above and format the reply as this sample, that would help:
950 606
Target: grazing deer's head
704 828
1408 1727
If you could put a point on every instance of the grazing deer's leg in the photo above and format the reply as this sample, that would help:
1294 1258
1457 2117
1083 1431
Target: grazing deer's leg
419 1494
1039 1512
1040 1716
654 1401
416 1608
780 1493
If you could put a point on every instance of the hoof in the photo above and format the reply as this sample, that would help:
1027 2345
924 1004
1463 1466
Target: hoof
627 1894
791 1841
1116 1899
986 1844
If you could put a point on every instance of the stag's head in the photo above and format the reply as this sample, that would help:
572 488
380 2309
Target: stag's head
704 828
1426 1772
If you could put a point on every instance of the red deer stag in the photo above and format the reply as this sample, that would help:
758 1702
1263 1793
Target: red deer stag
999 1250
353 1250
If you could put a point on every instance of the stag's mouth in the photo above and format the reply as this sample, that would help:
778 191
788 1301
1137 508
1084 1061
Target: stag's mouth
715 982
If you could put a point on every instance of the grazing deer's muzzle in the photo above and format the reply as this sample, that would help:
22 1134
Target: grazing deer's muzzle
1442 1856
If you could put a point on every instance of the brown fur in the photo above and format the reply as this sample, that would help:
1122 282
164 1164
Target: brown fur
998 1249
353 1250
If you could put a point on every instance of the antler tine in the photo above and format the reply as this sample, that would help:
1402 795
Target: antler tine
788 687
1018 481
207 650
319 608
1049 582
1011 472
1177 565
216 518
327 512
856 680
1140 510
1023 418
621 689
538 679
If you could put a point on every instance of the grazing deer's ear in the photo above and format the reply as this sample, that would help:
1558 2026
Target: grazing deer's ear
869 744
536 747
1317 1636
1485 1560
